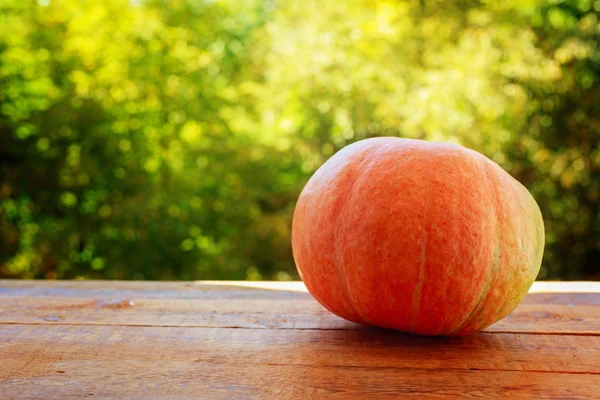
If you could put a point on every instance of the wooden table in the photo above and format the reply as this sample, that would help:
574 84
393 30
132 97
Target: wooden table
84 339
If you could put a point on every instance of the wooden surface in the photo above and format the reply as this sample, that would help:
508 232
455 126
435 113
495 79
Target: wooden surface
82 339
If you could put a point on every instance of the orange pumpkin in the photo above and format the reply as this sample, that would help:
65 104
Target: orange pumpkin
427 238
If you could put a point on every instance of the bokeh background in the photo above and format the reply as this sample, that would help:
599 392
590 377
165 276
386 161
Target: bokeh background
170 139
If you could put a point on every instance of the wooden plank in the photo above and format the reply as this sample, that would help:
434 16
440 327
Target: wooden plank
155 290
266 314
158 362
200 289
134 311
173 380
345 348
540 319
255 305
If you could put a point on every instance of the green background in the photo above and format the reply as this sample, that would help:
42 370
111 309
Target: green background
170 139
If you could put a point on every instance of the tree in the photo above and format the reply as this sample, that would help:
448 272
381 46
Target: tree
169 140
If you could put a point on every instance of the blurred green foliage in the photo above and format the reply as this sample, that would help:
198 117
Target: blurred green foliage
170 139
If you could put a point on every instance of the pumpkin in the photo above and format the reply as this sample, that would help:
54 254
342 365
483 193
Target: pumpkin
421 237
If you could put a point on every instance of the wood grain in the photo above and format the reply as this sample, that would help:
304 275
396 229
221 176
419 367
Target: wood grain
226 340
255 305
175 380
344 348
154 362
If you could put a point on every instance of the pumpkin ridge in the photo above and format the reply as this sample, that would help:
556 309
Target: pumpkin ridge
418 293
336 237
496 266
